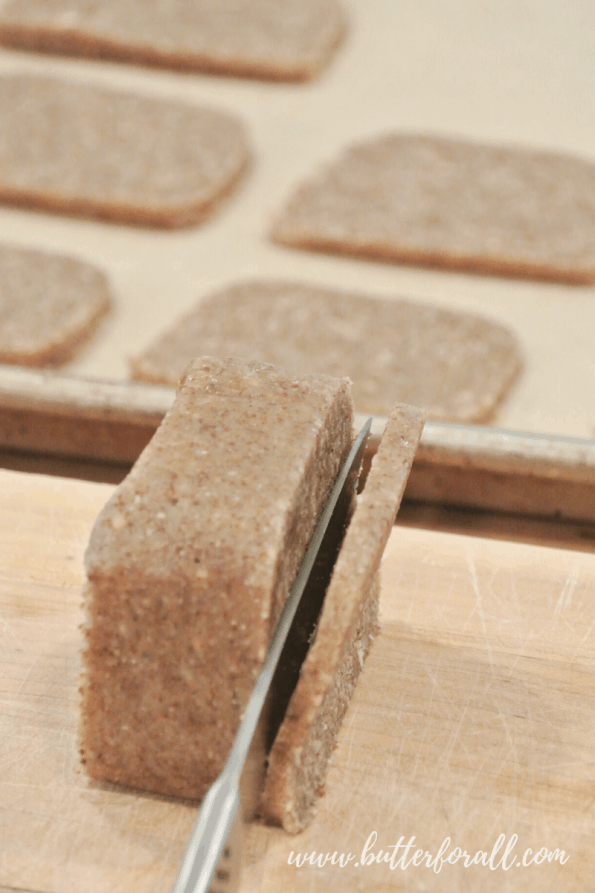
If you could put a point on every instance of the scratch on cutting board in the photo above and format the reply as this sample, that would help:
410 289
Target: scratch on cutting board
475 586
512 666
16 695
7 631
455 737
420 747
565 599
505 758
585 637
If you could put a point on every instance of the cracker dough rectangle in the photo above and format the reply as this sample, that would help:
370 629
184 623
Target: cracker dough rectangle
299 759
451 203
278 39
49 305
458 366
189 565
78 149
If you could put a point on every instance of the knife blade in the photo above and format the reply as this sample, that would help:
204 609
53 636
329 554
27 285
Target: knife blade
207 853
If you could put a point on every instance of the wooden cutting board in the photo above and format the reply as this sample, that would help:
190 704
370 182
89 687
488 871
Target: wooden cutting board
474 717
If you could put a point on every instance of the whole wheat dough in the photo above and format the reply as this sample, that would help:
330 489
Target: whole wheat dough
281 39
49 305
299 758
79 149
458 366
452 203
189 565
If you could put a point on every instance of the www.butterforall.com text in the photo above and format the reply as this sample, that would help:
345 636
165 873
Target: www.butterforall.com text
404 854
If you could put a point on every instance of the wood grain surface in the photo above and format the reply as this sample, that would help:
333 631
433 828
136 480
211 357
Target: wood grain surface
473 718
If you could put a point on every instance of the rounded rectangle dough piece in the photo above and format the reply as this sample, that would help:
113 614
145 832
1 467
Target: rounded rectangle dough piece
279 39
49 305
79 149
458 366
452 203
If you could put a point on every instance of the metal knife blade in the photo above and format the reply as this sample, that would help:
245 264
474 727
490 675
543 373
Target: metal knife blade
219 809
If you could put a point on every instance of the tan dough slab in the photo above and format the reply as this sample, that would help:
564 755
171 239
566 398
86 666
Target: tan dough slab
451 203
84 150
458 366
282 39
298 761
472 717
190 563
49 305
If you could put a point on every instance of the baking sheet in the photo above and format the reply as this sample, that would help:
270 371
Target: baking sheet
464 465
506 72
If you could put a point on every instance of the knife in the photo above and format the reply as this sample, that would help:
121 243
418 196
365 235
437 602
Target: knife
207 856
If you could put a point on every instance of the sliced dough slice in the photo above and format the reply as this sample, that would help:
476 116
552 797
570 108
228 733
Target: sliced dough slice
298 761
79 149
189 565
456 365
49 305
453 203
283 39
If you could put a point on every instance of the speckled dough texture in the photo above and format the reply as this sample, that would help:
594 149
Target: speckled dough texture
79 149
283 39
49 305
189 565
448 202
298 761
456 365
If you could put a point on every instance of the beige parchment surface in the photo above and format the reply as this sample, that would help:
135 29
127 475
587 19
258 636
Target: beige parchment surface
517 73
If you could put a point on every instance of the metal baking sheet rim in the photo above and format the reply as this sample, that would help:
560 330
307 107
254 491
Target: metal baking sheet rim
476 466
